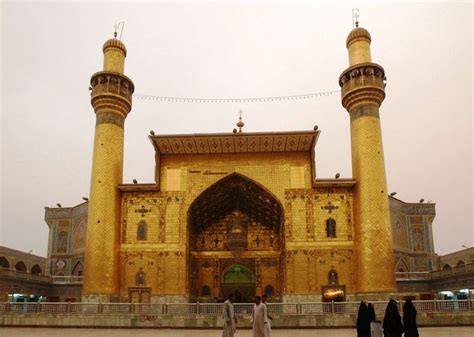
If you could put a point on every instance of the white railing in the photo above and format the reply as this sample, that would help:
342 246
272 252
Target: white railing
148 309
414 276
404 276
66 279
216 309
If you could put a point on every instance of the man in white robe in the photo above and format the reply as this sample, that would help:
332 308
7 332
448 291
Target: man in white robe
259 318
268 328
229 317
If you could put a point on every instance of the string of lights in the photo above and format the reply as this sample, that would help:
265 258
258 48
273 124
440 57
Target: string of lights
234 100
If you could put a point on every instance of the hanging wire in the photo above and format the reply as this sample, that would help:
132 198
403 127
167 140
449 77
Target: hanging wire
234 100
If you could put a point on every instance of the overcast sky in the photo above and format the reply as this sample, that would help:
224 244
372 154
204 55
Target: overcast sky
246 49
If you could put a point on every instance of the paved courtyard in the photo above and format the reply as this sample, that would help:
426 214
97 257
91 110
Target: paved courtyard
58 332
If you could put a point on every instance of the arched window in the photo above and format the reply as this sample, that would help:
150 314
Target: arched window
460 263
268 290
142 231
78 268
36 270
402 266
140 278
61 246
4 262
20 266
333 278
206 291
331 228
446 267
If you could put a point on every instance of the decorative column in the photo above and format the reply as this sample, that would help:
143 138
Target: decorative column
111 98
363 91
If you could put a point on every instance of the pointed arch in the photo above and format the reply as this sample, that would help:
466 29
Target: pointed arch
235 192
61 246
402 266
237 274
205 290
4 262
447 267
20 266
331 228
269 291
142 231
78 269
333 277
140 278
36 270
460 263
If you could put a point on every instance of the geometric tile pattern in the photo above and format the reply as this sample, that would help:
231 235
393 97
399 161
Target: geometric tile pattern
234 143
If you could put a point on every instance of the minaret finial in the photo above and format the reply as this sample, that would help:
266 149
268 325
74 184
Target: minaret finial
117 26
355 18
240 124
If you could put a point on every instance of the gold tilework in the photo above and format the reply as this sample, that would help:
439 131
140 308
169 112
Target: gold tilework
373 237
271 170
111 98
363 91
101 274
300 269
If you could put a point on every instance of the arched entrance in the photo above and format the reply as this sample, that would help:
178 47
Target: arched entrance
238 280
235 240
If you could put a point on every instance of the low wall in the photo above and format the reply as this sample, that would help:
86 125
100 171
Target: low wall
211 322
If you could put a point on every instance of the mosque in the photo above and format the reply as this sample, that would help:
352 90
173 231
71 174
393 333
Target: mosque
240 212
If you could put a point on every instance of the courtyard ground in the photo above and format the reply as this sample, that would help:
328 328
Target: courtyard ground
71 332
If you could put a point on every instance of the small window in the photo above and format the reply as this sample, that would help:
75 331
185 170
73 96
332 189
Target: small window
269 291
142 231
140 278
206 291
333 278
78 269
331 228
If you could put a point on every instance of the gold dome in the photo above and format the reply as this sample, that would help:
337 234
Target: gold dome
358 34
115 43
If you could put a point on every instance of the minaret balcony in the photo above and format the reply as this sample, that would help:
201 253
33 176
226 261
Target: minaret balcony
363 83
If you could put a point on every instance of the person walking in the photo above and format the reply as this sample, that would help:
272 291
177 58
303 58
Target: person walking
268 327
392 321
229 317
363 321
259 318
371 309
409 319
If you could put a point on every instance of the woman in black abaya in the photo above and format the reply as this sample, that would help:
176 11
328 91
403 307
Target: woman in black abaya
409 319
392 322
363 321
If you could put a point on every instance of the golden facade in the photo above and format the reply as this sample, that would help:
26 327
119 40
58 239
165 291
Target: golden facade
240 211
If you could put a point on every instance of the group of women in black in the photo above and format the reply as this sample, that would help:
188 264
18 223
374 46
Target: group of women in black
392 321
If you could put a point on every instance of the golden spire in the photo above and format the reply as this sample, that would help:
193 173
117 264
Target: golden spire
240 124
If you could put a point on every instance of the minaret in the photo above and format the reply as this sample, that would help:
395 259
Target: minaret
363 91
111 98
